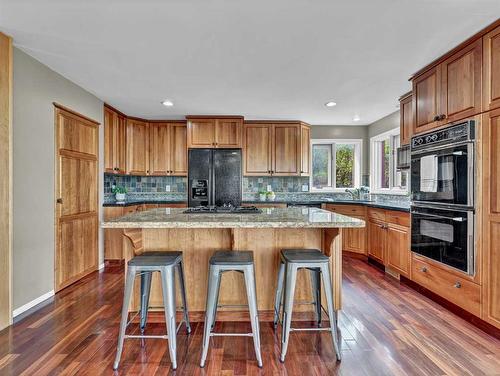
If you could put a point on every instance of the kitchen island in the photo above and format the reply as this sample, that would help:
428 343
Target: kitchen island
198 236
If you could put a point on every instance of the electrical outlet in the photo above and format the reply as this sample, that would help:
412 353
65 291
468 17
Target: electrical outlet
167 188
305 188
269 188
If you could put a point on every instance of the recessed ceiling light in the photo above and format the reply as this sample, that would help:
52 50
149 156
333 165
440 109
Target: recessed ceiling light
167 103
356 118
330 104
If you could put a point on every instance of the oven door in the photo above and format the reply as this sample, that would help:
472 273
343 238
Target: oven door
444 235
444 175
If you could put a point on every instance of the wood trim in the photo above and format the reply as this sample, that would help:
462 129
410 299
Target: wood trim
276 122
405 95
189 117
75 113
6 181
456 49
114 109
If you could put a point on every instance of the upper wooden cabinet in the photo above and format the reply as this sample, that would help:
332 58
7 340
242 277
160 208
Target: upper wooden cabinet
450 90
178 149
114 136
137 147
213 132
491 70
406 120
276 149
167 148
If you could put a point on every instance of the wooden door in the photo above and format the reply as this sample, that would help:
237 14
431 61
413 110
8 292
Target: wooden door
461 83
286 150
159 149
201 133
397 254
491 70
489 231
406 119
178 149
305 150
77 148
426 97
257 146
137 147
354 239
228 133
376 240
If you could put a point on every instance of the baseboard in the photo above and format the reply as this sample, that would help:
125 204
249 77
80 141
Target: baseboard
101 266
33 303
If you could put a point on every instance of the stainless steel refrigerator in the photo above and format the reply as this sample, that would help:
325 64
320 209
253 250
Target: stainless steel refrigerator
214 177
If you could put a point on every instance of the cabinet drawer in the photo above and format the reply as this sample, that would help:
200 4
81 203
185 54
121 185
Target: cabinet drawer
347 209
132 209
397 218
378 214
457 290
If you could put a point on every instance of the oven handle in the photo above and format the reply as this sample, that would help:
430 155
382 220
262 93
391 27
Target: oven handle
455 219
439 148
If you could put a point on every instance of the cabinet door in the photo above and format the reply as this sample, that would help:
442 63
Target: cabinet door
461 83
159 149
137 147
286 150
406 119
491 69
109 141
354 239
376 240
178 149
228 133
397 252
201 133
305 150
113 237
426 96
120 155
257 149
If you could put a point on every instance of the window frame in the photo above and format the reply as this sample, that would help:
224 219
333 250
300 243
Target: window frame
358 158
375 167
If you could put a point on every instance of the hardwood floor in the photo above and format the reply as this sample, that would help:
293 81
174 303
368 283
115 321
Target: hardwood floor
387 329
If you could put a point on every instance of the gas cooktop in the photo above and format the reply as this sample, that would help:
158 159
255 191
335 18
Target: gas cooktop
223 209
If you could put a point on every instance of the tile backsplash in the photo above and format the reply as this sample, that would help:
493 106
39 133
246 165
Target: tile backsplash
145 184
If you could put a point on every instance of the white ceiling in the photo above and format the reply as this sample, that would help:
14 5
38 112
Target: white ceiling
263 59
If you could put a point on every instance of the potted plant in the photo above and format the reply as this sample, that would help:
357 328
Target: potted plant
120 193
262 195
270 196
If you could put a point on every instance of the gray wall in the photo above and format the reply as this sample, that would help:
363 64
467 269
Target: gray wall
35 88
346 132
385 124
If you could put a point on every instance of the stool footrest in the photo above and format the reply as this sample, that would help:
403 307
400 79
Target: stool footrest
145 336
310 329
231 334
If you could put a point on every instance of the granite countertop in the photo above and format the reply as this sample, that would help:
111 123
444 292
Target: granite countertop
140 202
269 218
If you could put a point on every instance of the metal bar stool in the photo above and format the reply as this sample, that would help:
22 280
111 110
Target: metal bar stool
225 261
291 261
145 264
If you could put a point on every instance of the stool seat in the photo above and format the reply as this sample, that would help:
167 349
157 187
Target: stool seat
232 258
156 258
304 255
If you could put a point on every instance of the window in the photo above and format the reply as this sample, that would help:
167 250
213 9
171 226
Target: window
384 175
336 164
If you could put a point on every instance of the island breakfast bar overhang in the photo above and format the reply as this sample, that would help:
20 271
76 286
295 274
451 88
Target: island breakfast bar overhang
198 236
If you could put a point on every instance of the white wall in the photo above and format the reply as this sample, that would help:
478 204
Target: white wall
35 88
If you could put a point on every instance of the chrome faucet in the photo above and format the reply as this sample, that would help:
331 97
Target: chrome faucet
355 193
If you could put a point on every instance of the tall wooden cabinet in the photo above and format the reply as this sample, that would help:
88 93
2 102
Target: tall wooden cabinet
214 132
276 149
114 138
491 70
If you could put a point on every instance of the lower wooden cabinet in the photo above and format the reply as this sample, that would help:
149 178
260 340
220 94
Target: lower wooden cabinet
353 239
376 240
397 254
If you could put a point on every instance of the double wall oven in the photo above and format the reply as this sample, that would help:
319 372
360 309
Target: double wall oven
442 193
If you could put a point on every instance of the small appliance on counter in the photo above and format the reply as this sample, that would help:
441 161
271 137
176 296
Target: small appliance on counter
403 157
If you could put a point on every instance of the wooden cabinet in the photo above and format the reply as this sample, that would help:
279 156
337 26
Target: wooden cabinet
376 240
406 118
353 239
167 148
137 147
213 132
491 70
276 149
450 90
114 141
489 229
397 254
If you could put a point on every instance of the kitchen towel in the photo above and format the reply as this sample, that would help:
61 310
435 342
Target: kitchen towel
429 173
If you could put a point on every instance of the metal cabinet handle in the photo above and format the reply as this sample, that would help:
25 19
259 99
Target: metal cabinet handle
458 285
59 200
423 269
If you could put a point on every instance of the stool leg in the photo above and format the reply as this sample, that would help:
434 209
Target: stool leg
213 274
168 290
278 298
249 273
290 279
129 284
325 271
145 292
182 282
217 289
316 292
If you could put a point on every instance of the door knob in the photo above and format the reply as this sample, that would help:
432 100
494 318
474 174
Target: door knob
458 285
423 269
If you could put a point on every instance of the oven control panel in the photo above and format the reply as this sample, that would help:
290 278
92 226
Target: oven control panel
457 133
